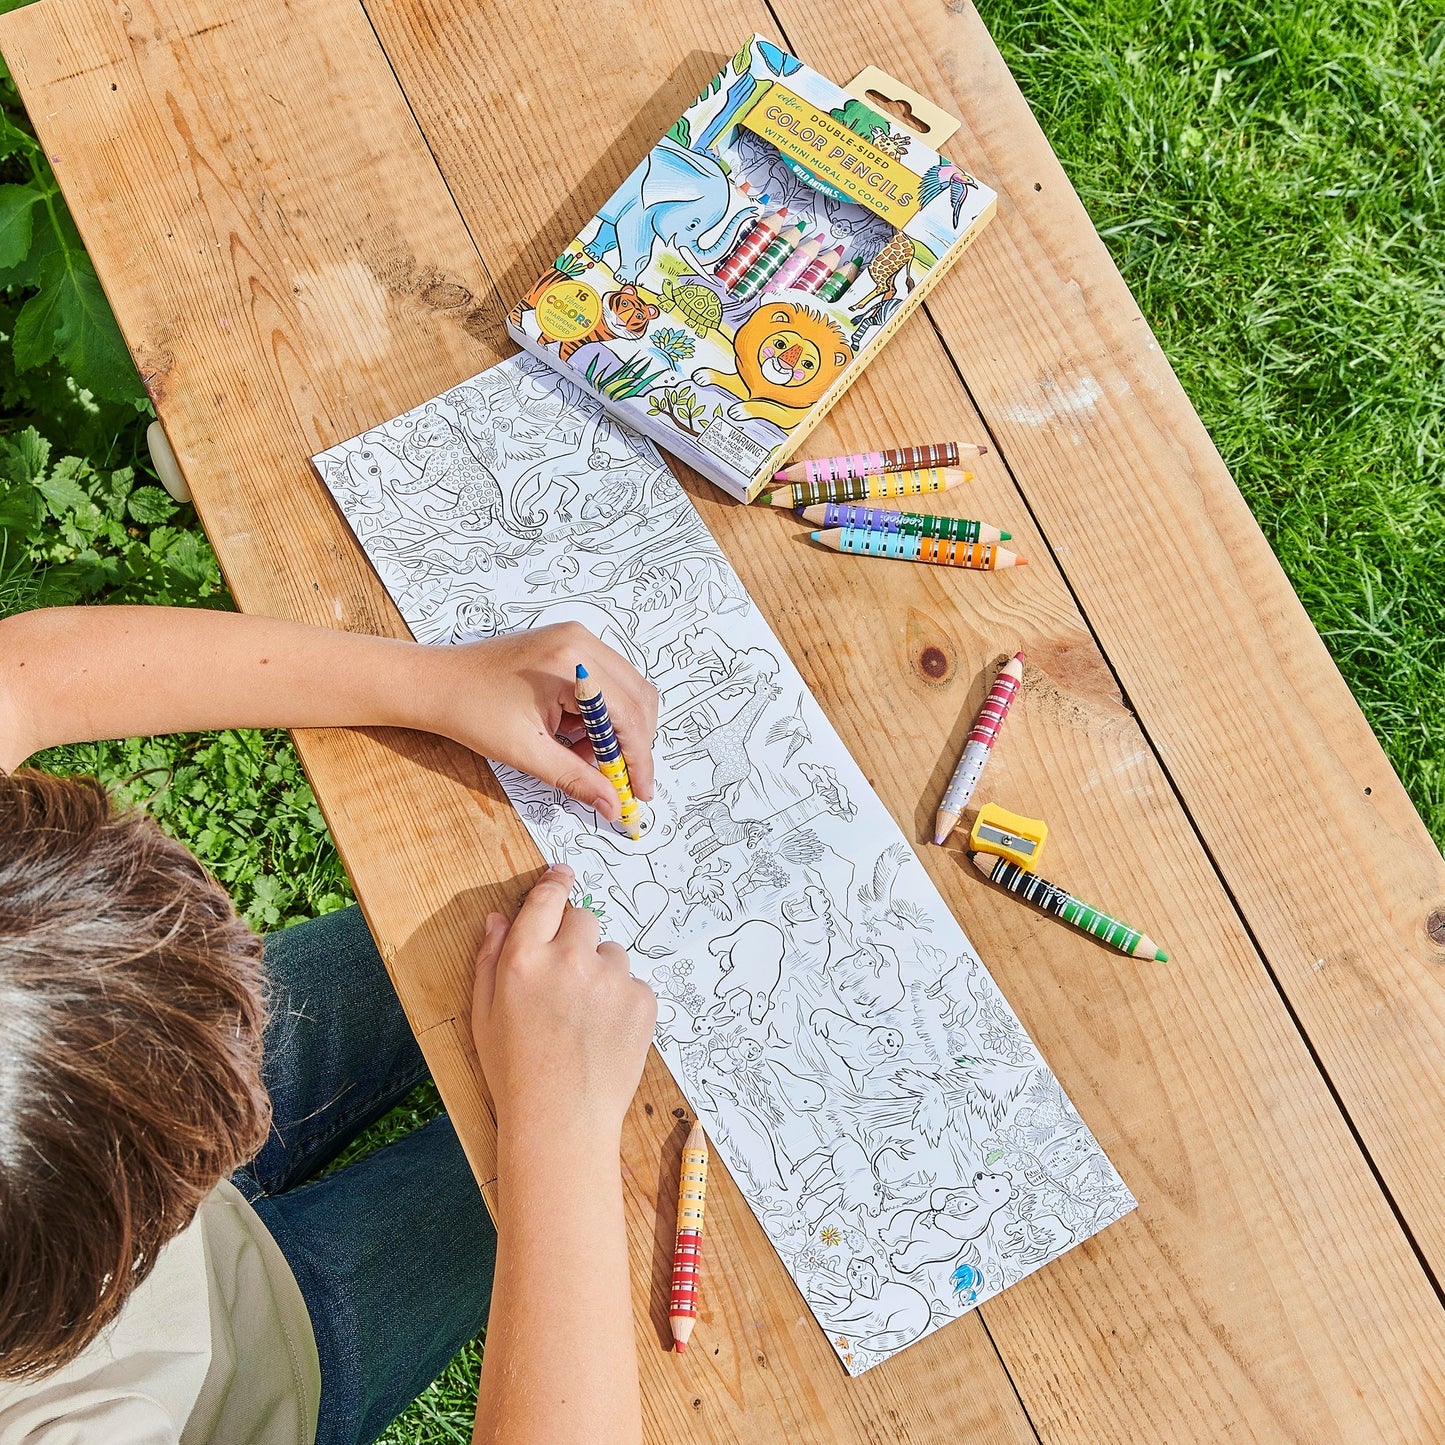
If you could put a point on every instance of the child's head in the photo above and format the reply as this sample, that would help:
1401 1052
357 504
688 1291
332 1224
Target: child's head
130 1054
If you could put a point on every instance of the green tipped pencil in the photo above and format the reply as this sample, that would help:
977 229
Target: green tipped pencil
920 524
1053 899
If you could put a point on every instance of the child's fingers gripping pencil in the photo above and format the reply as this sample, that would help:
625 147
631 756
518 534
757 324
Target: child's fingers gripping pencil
608 751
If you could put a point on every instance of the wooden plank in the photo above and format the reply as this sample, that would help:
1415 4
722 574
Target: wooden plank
1326 858
288 267
1194 1076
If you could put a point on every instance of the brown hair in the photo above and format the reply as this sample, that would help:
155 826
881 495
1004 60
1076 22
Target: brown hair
130 1052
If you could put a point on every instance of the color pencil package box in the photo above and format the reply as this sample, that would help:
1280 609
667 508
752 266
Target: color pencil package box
742 276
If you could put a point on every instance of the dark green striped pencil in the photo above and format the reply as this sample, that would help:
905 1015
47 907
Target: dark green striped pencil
1053 899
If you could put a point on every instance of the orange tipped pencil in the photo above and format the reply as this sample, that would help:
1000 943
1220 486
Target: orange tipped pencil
687 1257
939 551
892 459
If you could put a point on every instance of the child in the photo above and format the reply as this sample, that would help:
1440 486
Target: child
169 1084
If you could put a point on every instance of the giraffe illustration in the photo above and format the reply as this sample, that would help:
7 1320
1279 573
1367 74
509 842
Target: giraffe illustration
726 745
883 269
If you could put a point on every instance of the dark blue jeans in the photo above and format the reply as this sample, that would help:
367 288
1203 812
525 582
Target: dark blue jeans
395 1253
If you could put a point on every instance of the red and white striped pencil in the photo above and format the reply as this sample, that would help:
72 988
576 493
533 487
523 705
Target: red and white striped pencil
687 1257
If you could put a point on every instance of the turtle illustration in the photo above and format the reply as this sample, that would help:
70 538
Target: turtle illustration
699 307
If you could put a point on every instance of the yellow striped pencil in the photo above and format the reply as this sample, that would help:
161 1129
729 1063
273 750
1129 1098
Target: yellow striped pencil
607 750
872 488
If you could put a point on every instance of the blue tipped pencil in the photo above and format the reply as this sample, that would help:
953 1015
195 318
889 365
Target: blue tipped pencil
607 750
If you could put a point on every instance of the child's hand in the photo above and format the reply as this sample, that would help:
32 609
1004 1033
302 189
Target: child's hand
561 1027
510 697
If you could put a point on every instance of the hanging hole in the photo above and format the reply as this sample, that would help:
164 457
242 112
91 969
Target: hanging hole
900 110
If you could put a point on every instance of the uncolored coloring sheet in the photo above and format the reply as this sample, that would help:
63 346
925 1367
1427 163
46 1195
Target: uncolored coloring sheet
892 1125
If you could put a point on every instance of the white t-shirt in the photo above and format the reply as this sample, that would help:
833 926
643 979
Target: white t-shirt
215 1346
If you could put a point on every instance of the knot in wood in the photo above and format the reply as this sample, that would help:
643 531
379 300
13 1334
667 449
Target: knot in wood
1435 926
933 663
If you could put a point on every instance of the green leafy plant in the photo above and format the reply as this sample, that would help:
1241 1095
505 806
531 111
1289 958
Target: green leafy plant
65 316
622 382
680 405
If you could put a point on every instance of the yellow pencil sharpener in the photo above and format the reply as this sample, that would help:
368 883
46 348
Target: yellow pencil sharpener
1010 835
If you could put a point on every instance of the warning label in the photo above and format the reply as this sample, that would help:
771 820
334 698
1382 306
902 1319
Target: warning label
732 445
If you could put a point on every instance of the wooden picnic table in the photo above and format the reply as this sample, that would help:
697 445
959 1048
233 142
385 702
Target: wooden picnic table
310 216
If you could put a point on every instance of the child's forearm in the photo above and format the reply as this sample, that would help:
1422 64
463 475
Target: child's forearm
73 674
560 1362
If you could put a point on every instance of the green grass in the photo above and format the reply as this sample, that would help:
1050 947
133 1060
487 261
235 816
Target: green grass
1268 178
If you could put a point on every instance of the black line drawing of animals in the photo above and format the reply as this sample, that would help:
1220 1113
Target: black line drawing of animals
720 829
676 1026
955 1218
872 1312
749 967
791 729
723 1063
876 895
748 1141
842 1177
447 464
480 616
801 1095
1035 1238
500 435
869 979
860 1047
725 746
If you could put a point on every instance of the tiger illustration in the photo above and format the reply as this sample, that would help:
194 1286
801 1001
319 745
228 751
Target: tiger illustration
624 313
787 357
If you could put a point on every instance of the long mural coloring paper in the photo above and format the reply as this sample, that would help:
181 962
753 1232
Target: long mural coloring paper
890 1122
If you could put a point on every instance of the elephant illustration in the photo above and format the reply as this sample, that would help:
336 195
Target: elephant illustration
677 195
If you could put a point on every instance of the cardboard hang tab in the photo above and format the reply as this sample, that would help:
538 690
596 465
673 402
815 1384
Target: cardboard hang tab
937 125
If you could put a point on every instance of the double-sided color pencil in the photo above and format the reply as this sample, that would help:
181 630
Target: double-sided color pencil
791 271
839 281
1053 899
813 279
607 750
762 270
892 459
750 247
981 738
881 519
877 487
904 547
687 1256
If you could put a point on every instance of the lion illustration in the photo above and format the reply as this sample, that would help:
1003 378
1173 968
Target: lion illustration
787 357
